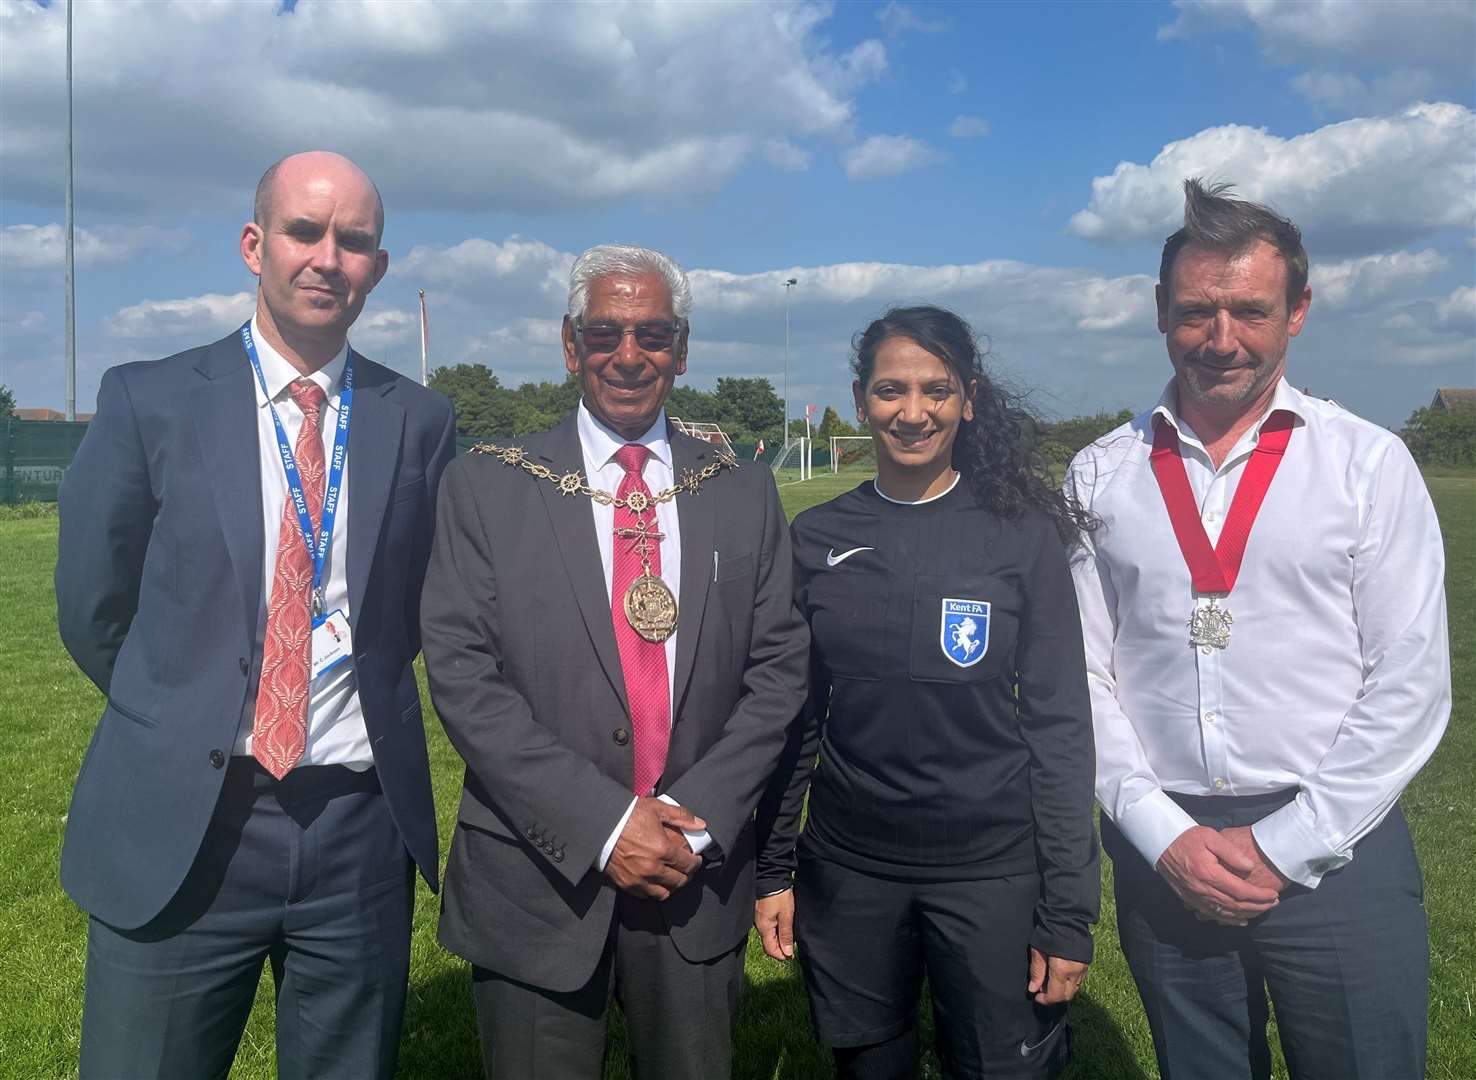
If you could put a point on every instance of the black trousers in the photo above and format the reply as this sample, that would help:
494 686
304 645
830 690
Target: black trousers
1346 964
308 873
678 1015
866 943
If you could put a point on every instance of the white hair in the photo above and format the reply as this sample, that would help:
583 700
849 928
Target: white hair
603 260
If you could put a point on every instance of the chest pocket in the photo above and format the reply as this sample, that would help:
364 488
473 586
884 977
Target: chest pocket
848 617
963 627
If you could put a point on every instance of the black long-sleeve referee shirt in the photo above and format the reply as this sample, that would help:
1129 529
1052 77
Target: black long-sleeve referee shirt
948 706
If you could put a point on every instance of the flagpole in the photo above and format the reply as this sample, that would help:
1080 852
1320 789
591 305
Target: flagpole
71 284
424 335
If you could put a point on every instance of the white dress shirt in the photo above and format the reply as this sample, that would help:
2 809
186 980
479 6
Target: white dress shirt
1336 681
336 734
599 445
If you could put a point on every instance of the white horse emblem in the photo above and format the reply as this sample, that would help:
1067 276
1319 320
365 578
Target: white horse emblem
964 635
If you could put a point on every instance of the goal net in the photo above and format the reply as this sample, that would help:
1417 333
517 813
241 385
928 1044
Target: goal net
793 463
710 433
852 454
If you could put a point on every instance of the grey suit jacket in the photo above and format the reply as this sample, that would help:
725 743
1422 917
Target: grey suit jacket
525 675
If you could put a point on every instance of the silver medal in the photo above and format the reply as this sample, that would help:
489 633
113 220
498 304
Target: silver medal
1209 626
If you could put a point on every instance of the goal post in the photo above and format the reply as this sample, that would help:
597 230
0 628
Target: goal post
852 454
793 464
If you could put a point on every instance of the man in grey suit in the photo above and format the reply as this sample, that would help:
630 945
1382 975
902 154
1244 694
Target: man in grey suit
612 646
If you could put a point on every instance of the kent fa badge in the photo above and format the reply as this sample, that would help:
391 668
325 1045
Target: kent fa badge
965 631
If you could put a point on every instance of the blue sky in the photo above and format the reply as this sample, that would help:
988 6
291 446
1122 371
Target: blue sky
1016 162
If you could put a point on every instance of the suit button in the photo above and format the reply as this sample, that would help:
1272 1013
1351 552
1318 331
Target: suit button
217 759
558 856
245 667
621 736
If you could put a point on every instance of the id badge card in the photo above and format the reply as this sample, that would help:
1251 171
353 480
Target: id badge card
333 642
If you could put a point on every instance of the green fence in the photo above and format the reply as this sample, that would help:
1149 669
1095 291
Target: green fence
37 452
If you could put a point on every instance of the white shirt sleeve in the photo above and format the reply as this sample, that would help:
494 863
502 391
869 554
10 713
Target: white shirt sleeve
1127 787
1398 718
609 848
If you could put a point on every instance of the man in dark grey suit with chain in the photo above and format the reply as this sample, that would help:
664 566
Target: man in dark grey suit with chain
612 646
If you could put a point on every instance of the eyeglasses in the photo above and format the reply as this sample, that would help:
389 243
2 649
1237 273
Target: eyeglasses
605 337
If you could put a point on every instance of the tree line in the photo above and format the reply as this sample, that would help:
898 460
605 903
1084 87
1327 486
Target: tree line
749 410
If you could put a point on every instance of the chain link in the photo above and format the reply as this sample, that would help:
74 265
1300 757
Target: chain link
573 483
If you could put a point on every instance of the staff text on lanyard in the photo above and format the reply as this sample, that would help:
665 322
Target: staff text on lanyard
317 541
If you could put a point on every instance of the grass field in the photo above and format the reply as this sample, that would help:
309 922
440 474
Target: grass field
47 712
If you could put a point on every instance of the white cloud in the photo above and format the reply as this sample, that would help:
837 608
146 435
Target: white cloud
188 321
968 127
1343 92
518 272
25 320
381 329
1456 313
1361 280
882 156
512 106
786 156
1359 185
43 247
898 18
1407 33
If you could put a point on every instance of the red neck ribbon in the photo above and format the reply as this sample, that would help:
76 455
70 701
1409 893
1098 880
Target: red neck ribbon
1215 569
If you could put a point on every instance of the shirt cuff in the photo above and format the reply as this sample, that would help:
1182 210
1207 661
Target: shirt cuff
609 848
698 840
1153 823
1292 846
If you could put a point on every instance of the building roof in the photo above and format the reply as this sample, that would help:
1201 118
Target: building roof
46 414
1459 397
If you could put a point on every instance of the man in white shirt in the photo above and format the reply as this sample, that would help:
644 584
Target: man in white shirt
612 645
1264 614
244 532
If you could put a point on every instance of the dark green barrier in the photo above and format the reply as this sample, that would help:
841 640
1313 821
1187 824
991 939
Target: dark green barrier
37 452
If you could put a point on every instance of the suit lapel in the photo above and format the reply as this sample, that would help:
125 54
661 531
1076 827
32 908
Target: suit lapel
223 408
376 427
573 528
695 513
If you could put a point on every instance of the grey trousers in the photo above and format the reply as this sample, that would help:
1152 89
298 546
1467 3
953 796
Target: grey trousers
679 1015
1346 964
307 873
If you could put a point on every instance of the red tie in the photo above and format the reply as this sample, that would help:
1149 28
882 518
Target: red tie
642 661
279 735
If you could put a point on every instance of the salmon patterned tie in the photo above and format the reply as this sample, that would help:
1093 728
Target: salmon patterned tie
643 662
279 735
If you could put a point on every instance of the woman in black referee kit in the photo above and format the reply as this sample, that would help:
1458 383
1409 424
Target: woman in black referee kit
950 811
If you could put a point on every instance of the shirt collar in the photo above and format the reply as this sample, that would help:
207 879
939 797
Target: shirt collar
278 372
1284 398
600 443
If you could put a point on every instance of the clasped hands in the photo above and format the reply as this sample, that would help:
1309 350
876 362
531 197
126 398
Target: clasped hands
652 858
1221 874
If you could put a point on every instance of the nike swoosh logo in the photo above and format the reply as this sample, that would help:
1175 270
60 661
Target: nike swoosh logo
832 559
1026 1049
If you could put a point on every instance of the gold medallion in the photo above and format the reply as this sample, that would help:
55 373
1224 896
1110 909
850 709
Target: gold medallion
650 608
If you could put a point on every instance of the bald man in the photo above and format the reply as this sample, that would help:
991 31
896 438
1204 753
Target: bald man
244 532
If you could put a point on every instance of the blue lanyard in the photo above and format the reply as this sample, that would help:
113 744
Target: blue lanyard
317 546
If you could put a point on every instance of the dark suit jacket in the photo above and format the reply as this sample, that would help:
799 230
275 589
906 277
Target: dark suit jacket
525 675
159 592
